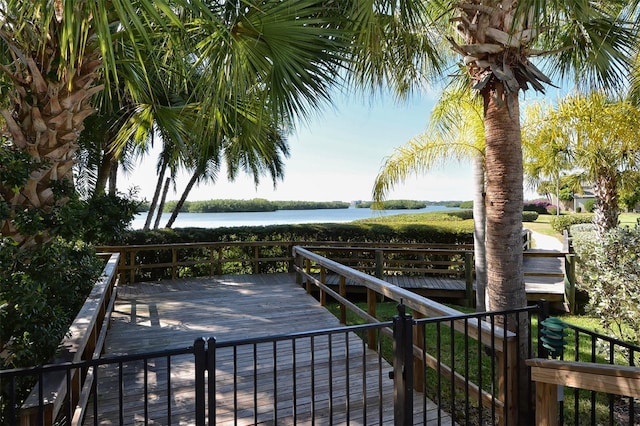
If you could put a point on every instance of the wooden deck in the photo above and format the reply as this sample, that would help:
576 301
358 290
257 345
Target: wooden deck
171 314
544 279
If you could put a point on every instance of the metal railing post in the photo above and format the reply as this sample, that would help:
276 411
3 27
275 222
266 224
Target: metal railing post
570 281
211 385
200 355
543 314
402 367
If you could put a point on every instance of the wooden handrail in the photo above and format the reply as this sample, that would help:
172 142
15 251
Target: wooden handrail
550 373
84 340
130 263
503 342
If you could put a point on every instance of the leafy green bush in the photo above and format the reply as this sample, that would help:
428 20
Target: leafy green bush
528 216
581 228
563 222
41 290
106 218
590 205
610 272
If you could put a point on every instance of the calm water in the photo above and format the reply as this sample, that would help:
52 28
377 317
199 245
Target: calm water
279 217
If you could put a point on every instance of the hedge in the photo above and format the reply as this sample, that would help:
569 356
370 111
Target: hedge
434 232
563 222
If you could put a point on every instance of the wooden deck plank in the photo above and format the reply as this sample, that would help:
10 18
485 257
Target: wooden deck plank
170 314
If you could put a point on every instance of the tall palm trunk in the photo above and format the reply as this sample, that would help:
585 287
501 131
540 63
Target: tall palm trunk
113 178
505 277
505 286
47 116
479 231
606 191
104 171
156 195
183 198
163 199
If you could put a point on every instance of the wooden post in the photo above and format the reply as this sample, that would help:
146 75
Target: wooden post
307 265
343 292
298 262
132 264
570 281
507 369
212 260
418 363
256 262
323 280
546 404
379 256
468 278
372 338
174 262
220 260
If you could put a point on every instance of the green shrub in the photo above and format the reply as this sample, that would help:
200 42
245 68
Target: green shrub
529 216
608 269
106 218
590 205
41 291
436 232
581 228
563 222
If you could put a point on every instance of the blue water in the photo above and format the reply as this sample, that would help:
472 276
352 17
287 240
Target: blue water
279 217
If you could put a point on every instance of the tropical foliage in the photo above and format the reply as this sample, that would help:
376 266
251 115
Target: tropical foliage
609 271
591 136
455 131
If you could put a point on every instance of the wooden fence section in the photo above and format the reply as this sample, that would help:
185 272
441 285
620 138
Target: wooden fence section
432 270
85 341
503 343
549 374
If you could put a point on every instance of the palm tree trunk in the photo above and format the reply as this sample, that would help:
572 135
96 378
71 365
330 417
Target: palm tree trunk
183 198
104 172
479 232
162 201
113 178
46 117
505 277
156 195
606 212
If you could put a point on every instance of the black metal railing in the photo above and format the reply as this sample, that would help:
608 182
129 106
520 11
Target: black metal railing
324 376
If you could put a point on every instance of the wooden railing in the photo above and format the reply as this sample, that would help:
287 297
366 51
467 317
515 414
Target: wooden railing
605 378
84 341
503 343
157 261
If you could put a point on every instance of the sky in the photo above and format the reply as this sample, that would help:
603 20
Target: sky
335 156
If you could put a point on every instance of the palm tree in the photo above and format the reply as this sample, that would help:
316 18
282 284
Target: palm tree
55 56
591 136
497 41
254 153
455 131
